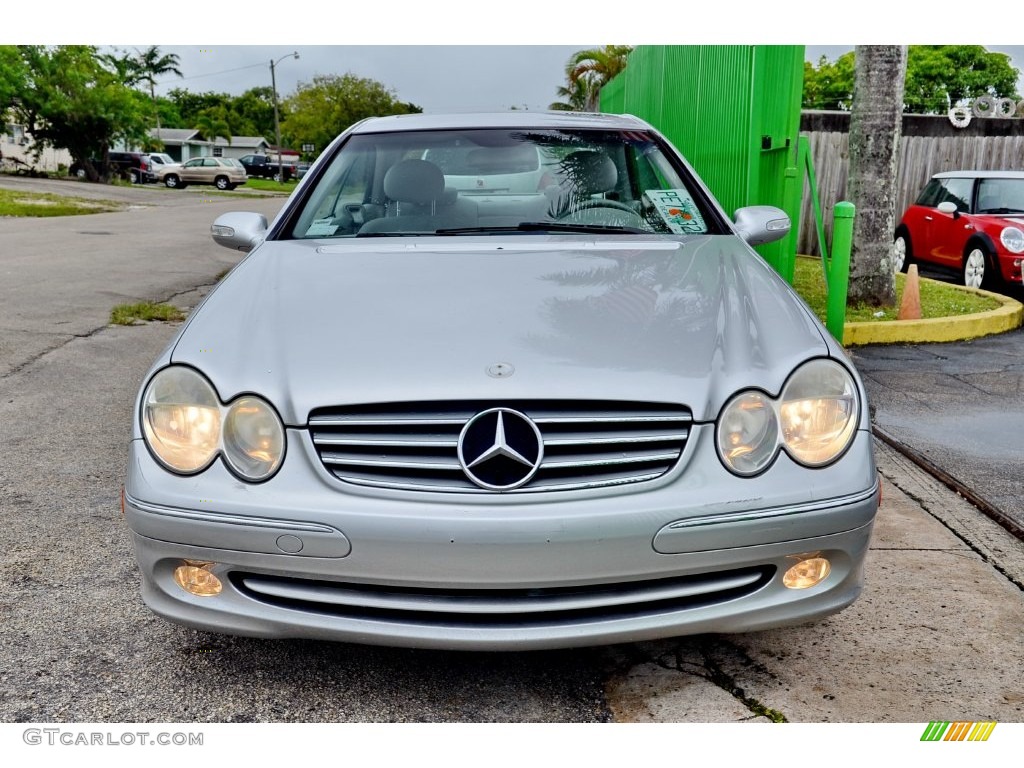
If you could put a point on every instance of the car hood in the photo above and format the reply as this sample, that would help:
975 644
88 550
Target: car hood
308 324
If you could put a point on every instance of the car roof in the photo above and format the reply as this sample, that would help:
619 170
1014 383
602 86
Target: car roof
510 119
979 175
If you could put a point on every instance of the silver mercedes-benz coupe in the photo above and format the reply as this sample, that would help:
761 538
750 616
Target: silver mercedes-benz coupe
505 381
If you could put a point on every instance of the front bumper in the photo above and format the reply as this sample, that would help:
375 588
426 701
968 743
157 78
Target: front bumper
306 559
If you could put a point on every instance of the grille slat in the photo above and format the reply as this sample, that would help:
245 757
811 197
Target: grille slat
504 602
567 462
414 446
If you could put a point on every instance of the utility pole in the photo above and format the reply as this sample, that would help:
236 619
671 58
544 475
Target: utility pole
277 125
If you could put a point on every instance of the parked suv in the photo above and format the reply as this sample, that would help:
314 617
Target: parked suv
970 222
222 172
266 167
136 167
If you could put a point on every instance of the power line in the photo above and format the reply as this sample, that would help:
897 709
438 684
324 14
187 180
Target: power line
209 74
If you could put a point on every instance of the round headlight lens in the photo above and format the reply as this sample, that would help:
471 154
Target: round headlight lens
748 433
818 410
1012 239
181 419
253 438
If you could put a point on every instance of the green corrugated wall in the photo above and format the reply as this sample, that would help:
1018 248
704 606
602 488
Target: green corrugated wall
734 111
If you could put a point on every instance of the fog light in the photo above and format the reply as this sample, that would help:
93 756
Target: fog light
196 579
807 573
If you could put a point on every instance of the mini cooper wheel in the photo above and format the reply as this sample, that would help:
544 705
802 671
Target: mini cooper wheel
977 268
902 256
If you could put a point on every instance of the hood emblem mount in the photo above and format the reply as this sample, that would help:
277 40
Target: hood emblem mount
500 370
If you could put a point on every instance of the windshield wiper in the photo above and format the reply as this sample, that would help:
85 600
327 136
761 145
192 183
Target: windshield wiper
546 226
1001 211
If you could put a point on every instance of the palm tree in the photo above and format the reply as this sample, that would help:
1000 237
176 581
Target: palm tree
211 125
150 65
594 68
574 98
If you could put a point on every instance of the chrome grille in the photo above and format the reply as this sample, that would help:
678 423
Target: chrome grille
414 446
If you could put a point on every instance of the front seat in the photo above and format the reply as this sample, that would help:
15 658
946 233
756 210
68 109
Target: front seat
418 201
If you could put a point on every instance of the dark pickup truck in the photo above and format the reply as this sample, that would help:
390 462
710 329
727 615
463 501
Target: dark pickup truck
265 167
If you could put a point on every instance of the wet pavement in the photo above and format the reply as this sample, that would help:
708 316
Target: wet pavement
959 405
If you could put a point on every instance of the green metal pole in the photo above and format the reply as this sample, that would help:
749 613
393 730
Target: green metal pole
839 271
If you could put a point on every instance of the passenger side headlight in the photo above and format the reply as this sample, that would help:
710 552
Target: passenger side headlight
1012 239
814 420
186 426
253 438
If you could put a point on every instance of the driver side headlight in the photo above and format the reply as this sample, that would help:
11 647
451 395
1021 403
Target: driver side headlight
186 427
814 420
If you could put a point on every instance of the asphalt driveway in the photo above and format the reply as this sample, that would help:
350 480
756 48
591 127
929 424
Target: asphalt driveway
77 645
961 405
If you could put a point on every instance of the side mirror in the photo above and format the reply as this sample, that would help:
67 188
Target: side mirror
760 224
948 207
239 231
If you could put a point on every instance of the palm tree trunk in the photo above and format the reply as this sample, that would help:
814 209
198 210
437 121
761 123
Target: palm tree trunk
876 119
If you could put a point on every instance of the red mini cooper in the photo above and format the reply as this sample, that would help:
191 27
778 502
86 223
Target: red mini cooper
968 221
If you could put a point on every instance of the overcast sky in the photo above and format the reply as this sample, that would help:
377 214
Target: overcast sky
461 55
439 78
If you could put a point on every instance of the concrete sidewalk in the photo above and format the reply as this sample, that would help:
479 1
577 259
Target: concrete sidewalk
936 635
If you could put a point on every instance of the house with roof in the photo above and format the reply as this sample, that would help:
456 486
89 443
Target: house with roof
182 143
239 146
185 143
18 152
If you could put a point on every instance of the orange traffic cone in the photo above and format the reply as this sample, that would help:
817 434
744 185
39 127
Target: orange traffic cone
910 306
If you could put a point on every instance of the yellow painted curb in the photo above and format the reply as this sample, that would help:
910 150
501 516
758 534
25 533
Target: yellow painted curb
1007 317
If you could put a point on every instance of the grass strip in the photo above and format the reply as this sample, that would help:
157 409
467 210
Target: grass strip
937 299
130 314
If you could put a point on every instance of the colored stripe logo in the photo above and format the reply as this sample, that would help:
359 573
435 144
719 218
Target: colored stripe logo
958 731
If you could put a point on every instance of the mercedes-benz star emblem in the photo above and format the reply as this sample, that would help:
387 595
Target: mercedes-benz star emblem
500 449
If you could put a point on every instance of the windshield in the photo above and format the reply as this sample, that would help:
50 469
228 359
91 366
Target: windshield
500 180
1001 196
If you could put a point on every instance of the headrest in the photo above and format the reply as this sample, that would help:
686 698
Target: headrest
414 181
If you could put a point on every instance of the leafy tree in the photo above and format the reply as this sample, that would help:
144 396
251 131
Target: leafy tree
938 76
587 72
72 101
876 121
319 111
13 77
253 112
188 105
830 84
